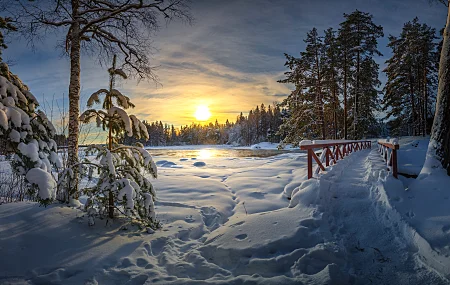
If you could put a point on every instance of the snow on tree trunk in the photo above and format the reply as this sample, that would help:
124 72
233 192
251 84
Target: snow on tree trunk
74 103
439 147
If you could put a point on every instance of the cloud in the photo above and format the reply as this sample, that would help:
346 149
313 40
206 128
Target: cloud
229 60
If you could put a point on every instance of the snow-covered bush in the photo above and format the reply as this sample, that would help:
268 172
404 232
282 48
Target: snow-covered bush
122 184
29 135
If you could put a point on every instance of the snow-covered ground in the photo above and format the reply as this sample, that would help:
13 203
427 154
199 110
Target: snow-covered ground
228 221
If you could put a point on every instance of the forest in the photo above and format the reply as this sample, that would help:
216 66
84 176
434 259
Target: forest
337 92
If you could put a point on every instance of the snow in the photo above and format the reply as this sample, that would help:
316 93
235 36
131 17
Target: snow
30 150
94 98
124 117
44 181
271 146
308 142
393 141
122 100
230 222
14 116
411 154
3 120
7 88
14 136
141 129
127 192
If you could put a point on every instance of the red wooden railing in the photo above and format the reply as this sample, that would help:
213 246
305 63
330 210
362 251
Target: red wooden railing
389 156
331 151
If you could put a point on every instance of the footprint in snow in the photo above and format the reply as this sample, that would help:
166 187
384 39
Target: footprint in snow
189 219
237 224
241 237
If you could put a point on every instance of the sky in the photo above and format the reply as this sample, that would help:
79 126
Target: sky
229 59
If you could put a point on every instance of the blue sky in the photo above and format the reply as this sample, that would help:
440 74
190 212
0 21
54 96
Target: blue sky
229 59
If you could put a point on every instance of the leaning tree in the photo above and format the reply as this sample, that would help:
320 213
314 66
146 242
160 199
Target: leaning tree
100 27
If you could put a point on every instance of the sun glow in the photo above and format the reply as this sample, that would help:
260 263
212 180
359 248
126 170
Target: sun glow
202 113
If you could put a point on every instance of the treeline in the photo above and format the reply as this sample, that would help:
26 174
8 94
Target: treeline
261 124
336 82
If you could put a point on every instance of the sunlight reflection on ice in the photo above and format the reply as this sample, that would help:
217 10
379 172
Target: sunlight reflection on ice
207 153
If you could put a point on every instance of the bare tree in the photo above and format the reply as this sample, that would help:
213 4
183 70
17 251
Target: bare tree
103 27
440 133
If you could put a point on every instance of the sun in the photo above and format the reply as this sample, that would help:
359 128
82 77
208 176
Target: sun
202 113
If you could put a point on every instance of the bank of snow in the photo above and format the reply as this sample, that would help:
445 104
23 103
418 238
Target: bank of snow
230 222
423 203
227 222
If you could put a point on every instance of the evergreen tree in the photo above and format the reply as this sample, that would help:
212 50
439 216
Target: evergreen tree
359 40
305 105
122 183
412 79
27 131
29 135
331 78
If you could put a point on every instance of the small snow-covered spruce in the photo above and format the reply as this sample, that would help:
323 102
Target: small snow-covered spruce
122 184
29 134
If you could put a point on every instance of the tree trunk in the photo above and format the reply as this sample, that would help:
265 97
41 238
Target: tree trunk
355 118
110 138
320 95
335 103
74 108
425 99
439 147
413 105
345 96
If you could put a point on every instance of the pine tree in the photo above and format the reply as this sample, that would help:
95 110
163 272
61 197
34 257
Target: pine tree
27 131
331 77
29 135
412 78
305 105
122 184
358 38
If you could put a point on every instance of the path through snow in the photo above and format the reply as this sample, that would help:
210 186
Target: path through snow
372 238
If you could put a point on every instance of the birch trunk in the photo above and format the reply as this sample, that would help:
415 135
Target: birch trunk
74 105
110 138
439 148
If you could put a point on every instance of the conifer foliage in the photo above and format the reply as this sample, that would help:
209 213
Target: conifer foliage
412 79
29 135
122 184
334 70
26 132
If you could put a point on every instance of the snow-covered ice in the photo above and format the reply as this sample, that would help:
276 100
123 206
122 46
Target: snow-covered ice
231 222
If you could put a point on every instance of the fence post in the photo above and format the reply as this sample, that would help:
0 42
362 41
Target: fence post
394 162
309 163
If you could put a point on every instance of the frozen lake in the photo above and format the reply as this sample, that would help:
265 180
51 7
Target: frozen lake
215 152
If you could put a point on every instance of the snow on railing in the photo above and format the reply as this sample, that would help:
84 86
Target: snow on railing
340 148
388 149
